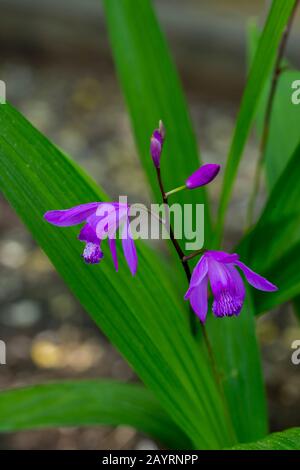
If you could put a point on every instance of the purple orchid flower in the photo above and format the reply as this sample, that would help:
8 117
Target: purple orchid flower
204 175
226 283
102 220
156 144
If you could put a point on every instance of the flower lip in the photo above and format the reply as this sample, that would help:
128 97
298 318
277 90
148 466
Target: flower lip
227 305
204 175
92 253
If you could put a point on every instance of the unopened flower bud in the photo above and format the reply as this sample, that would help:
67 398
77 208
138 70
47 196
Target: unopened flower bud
204 175
156 144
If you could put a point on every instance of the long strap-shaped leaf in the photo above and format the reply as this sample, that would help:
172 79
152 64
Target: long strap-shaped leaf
283 134
88 403
236 350
286 440
285 273
153 91
282 146
259 72
142 316
151 88
273 246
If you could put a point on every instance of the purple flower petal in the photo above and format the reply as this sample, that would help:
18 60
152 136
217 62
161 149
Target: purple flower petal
219 277
106 227
158 136
255 279
198 275
106 220
222 256
73 216
105 208
113 250
204 175
155 150
88 234
156 144
129 248
198 299
237 282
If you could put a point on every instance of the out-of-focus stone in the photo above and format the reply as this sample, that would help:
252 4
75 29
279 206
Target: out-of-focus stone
37 265
146 444
62 306
46 354
267 332
11 285
22 314
12 254
124 435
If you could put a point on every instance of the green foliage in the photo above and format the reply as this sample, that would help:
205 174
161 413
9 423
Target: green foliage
278 227
286 440
272 246
283 134
238 359
258 75
153 91
88 403
143 316
151 88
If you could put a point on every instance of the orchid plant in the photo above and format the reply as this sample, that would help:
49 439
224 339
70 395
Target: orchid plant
202 378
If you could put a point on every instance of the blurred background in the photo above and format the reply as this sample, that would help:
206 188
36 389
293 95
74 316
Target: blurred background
58 69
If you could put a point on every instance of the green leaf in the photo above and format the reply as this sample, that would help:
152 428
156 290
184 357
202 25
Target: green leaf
153 91
238 358
144 316
283 134
264 59
272 247
283 139
286 440
285 274
88 403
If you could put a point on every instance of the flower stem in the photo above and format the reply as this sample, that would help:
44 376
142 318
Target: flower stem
266 126
193 322
175 190
193 255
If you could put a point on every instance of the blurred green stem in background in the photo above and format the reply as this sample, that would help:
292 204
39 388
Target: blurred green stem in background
265 57
266 126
